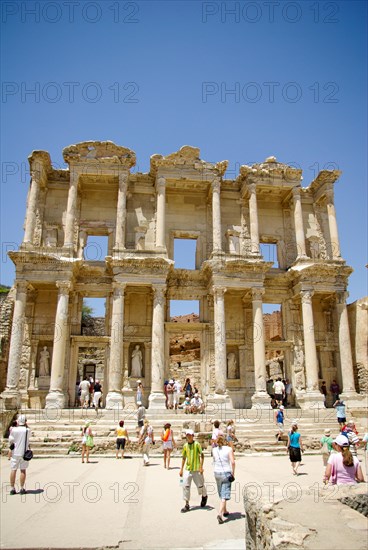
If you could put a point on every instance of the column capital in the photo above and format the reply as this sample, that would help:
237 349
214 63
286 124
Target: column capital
159 292
219 291
123 176
160 183
257 294
296 192
118 288
64 287
306 296
21 286
330 194
216 185
341 298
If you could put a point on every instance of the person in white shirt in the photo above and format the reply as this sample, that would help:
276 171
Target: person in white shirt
19 443
197 405
177 392
84 396
279 390
223 467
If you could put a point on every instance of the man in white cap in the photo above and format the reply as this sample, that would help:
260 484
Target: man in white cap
193 456
19 443
197 405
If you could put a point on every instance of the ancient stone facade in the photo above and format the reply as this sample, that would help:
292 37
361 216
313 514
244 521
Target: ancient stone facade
140 215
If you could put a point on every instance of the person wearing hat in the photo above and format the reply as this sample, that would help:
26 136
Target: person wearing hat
192 459
19 442
87 440
326 445
343 468
196 404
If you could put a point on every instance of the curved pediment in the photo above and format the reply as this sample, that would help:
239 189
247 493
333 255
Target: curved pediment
100 151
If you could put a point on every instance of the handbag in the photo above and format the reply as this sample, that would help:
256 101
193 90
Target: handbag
28 454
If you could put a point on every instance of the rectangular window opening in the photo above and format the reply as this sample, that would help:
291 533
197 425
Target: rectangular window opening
184 311
269 253
185 253
96 248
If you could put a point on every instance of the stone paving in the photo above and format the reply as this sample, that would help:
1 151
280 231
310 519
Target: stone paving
122 504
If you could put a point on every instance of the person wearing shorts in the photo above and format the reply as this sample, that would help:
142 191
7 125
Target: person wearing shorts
121 439
294 447
19 441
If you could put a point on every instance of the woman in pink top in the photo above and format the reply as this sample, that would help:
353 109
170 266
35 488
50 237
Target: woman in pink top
342 466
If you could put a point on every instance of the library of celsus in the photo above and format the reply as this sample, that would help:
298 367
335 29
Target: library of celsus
141 215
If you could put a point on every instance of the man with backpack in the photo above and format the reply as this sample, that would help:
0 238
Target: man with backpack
19 444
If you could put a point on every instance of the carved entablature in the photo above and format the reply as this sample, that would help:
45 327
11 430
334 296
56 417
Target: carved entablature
187 157
268 171
99 152
324 182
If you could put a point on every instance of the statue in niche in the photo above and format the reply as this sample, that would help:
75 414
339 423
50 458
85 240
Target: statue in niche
232 365
299 369
44 369
137 363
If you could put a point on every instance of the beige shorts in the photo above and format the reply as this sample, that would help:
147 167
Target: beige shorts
17 462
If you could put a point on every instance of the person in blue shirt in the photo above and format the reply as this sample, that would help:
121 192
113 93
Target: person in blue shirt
340 412
294 447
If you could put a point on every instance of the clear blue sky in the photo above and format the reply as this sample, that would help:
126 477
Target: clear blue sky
154 76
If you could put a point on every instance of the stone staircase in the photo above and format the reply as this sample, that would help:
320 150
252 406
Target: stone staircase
57 432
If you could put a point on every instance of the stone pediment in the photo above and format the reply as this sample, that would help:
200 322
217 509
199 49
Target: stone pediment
325 177
187 156
99 152
269 170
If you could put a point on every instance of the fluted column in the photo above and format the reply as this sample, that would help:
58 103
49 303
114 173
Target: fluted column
114 398
346 360
56 397
161 206
253 219
220 339
33 199
121 212
332 224
298 222
310 351
157 397
71 210
11 394
216 216
260 396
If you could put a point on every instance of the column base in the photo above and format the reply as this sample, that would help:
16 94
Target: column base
219 405
261 400
157 401
12 399
114 400
312 399
55 400
353 399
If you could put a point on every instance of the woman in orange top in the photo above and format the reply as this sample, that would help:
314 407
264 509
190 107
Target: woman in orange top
168 440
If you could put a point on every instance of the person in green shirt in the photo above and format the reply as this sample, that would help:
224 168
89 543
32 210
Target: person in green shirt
192 459
326 445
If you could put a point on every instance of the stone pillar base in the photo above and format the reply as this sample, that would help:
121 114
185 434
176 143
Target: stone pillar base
157 401
114 400
219 406
55 400
354 400
11 399
310 399
128 398
261 400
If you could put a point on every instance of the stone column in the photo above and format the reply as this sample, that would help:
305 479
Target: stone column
260 397
253 219
161 218
157 397
114 398
332 224
346 360
56 397
312 395
121 212
11 394
220 339
33 199
298 222
71 211
216 217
